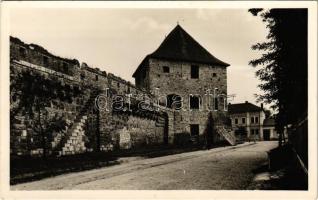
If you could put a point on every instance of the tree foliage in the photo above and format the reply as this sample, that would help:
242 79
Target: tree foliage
283 68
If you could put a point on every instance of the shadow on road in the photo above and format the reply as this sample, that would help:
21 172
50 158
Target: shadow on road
281 172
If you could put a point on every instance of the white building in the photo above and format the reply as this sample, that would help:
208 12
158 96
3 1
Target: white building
249 122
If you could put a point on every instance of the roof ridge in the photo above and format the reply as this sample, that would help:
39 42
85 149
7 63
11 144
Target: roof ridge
199 53
179 45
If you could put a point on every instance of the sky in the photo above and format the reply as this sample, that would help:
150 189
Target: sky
116 39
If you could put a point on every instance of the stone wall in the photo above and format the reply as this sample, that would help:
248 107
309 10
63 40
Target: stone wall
37 55
129 129
179 82
110 130
103 131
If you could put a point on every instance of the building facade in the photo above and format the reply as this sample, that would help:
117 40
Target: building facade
249 122
53 100
182 72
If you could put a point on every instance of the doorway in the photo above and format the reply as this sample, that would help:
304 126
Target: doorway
266 134
194 129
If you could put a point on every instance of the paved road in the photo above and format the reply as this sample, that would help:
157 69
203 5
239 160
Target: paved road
228 168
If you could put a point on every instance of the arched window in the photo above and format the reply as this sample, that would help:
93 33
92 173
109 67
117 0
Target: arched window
174 101
216 103
194 102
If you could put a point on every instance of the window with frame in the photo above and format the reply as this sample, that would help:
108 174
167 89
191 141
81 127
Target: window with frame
243 120
194 71
236 121
214 75
256 119
166 69
96 77
194 102
174 101
252 119
216 103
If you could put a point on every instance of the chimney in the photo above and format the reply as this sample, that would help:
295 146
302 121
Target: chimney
246 101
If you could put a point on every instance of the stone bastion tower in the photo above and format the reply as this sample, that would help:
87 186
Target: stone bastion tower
185 77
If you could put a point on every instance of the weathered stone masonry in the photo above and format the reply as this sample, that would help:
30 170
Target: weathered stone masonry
180 66
106 130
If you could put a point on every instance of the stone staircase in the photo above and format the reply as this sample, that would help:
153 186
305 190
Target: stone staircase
227 133
59 135
72 140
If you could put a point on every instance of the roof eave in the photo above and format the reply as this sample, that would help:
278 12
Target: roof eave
223 64
140 66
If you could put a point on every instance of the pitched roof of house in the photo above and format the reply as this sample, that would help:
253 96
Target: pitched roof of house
269 122
243 107
180 46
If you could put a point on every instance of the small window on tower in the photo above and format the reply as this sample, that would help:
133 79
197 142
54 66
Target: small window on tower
166 69
216 103
194 102
194 71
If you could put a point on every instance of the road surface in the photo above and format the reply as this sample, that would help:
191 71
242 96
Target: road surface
223 168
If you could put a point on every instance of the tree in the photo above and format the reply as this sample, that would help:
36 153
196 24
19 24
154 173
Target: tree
268 113
283 67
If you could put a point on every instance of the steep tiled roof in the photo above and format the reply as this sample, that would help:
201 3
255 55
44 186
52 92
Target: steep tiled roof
180 46
243 107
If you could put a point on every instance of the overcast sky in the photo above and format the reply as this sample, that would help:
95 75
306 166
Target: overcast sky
116 40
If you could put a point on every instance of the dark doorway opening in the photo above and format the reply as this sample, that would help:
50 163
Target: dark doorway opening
194 129
266 135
